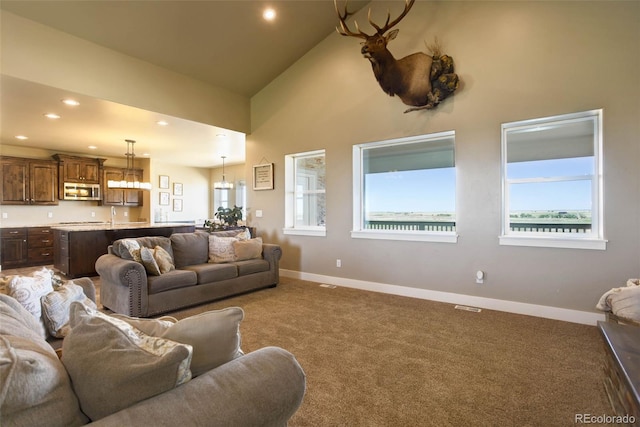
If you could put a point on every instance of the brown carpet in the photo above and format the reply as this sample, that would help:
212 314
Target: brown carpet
379 360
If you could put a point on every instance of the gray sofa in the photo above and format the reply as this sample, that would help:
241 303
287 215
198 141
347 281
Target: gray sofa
261 388
127 288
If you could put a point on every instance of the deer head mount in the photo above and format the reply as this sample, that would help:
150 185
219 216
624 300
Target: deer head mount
421 81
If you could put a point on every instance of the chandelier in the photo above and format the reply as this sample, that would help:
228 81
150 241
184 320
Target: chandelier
130 179
223 185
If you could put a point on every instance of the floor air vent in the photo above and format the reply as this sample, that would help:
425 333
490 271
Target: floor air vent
467 308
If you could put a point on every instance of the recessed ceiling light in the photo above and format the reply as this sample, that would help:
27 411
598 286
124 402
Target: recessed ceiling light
269 14
162 123
221 135
52 116
22 137
146 154
92 147
71 102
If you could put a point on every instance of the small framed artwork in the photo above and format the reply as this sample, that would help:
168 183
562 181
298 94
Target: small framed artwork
177 189
164 181
263 177
164 198
177 205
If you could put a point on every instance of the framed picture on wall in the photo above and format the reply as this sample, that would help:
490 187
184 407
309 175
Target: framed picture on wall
177 205
263 177
177 189
164 198
164 181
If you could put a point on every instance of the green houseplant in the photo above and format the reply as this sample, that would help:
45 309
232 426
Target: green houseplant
227 217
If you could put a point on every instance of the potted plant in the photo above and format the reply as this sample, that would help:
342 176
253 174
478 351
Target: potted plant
227 219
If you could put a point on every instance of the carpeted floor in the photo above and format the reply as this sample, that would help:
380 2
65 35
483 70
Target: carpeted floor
379 360
373 359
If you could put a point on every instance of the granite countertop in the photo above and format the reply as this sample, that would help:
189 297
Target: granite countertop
96 226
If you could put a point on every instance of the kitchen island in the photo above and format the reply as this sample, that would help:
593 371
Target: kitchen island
77 246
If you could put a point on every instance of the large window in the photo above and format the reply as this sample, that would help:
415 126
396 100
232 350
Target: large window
305 194
552 182
405 189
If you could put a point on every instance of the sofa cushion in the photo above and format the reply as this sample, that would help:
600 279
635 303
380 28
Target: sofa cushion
113 365
55 307
172 280
189 248
28 290
248 249
252 266
214 335
34 386
213 272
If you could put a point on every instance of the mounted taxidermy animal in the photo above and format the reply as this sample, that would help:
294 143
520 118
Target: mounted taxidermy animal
421 81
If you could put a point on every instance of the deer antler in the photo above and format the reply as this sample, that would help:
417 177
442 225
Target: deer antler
344 29
387 26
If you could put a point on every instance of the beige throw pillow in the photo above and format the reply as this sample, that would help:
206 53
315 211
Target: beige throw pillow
55 308
113 365
214 335
221 249
149 261
163 259
248 249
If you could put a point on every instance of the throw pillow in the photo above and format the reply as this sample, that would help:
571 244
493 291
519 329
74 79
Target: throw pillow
129 249
113 365
163 259
34 386
244 234
248 249
149 262
221 249
55 307
28 291
214 335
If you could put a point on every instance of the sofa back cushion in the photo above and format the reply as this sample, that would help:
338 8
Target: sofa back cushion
34 385
190 248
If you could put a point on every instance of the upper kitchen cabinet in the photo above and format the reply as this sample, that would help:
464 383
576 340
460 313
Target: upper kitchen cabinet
79 169
28 181
120 196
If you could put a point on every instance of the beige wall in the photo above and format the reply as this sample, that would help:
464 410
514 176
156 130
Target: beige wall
516 60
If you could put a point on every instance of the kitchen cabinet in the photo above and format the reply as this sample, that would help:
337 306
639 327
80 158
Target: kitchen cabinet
14 247
77 248
26 246
28 181
119 196
83 170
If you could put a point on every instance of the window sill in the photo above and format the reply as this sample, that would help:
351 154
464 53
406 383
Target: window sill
318 232
414 236
554 242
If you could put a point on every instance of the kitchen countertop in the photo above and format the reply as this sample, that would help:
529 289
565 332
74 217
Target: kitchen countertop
93 226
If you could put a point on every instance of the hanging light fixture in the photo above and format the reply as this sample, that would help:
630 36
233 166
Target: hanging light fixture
130 180
223 185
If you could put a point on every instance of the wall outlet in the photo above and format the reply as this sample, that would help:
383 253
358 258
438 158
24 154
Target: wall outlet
480 276
338 263
126 213
93 214
49 214
258 213
5 215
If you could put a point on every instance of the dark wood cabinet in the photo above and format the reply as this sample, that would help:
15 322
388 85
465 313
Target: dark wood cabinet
14 247
28 181
84 170
118 196
26 247
76 251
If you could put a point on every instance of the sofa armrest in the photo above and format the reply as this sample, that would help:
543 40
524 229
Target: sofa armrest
271 253
262 388
123 285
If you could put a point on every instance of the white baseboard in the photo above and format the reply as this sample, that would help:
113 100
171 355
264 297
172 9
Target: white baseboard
556 313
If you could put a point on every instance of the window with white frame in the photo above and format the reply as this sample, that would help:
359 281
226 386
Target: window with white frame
552 182
405 189
305 193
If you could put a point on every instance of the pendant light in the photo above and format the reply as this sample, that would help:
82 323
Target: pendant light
223 185
130 180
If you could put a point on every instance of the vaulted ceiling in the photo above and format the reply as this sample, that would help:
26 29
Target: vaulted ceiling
227 44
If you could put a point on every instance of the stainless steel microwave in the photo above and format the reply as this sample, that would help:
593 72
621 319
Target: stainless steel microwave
78 191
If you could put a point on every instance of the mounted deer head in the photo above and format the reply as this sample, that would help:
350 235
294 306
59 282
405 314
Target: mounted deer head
420 81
